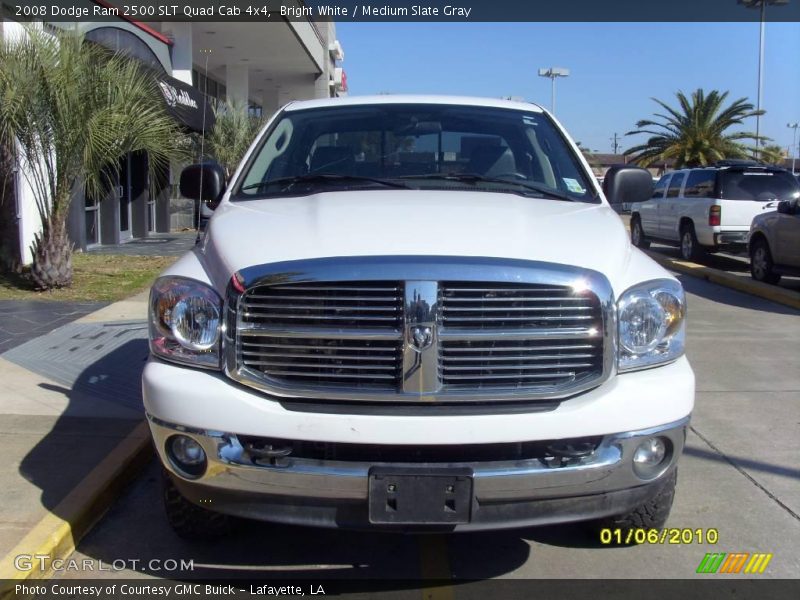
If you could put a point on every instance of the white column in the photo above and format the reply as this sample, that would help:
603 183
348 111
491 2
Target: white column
181 34
237 81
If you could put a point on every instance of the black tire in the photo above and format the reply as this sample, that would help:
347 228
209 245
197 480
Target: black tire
638 237
652 514
761 264
690 248
189 521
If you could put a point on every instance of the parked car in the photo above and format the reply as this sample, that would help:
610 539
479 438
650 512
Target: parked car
774 242
709 209
416 313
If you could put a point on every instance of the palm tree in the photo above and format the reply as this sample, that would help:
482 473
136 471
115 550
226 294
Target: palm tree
694 134
72 110
234 130
772 154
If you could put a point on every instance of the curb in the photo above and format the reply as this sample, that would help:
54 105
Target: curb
756 288
59 532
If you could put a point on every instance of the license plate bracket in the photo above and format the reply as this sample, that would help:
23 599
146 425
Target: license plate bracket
420 496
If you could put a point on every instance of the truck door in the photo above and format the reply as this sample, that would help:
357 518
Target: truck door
648 211
669 208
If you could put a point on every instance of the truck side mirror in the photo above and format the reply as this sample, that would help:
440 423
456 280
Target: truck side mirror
786 208
204 182
624 184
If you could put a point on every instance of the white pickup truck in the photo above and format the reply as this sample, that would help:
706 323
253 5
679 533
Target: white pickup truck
711 208
416 313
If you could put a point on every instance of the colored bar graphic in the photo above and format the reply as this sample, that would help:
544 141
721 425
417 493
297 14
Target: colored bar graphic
733 562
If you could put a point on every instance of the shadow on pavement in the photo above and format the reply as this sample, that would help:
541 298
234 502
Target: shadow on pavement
104 407
723 295
744 463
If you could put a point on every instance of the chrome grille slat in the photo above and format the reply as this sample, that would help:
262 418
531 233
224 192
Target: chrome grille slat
515 376
252 306
320 356
518 299
521 348
526 319
520 367
517 309
331 288
312 365
375 376
347 298
376 333
322 347
504 358
278 317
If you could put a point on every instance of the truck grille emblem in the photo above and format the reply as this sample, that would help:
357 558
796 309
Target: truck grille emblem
420 337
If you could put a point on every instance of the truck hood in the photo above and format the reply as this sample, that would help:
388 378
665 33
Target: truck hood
414 222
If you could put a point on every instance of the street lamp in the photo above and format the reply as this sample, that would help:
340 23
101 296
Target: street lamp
552 73
761 4
795 149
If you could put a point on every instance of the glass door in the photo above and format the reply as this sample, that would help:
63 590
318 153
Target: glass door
92 219
124 193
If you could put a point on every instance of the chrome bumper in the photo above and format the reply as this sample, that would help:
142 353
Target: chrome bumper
335 493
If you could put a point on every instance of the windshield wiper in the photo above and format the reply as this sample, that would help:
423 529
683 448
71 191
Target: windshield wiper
477 178
289 182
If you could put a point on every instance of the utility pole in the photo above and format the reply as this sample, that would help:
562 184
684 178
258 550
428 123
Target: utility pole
615 143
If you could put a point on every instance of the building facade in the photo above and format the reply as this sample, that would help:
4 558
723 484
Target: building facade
260 65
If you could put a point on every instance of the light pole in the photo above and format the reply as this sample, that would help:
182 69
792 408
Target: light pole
762 5
795 149
552 73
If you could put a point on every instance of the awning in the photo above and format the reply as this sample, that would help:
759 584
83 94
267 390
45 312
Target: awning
186 104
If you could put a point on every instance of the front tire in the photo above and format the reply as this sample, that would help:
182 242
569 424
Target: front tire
653 514
690 247
638 238
761 265
189 521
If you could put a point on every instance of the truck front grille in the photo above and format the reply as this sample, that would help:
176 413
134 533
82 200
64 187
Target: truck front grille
327 330
420 340
494 361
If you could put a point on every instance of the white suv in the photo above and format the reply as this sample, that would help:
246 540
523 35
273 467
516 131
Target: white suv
711 208
416 313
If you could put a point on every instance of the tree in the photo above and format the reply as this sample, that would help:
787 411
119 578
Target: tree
695 134
73 109
234 130
771 155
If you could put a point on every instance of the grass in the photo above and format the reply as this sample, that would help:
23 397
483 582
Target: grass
96 278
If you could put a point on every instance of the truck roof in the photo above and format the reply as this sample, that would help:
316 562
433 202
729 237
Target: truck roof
413 99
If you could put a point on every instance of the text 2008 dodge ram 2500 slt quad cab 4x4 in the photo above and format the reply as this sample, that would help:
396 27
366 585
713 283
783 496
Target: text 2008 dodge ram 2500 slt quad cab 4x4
416 313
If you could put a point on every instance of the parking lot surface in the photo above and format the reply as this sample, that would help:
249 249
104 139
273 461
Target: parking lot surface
739 476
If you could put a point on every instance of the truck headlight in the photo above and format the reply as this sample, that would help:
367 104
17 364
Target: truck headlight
185 322
651 318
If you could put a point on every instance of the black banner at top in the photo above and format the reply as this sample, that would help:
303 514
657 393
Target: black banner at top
406 11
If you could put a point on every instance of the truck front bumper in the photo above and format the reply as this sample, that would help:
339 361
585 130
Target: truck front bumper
313 490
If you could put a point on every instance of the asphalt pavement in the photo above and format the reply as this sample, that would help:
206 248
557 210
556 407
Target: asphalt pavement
739 477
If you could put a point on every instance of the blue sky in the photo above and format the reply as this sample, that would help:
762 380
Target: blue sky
615 67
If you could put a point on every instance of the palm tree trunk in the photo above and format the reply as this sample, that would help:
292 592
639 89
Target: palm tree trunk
52 251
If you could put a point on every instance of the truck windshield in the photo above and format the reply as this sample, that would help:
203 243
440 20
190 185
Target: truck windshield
759 185
418 146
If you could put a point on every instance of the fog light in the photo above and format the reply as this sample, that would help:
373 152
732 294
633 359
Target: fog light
187 455
649 458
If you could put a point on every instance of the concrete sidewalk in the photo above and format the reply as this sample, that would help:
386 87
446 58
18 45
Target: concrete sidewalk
71 426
